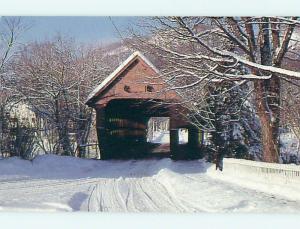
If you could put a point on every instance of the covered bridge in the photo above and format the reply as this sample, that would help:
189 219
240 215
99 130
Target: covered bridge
124 103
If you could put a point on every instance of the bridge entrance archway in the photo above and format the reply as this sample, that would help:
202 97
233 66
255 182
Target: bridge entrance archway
124 103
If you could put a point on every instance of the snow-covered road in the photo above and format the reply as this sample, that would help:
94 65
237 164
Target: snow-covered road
52 183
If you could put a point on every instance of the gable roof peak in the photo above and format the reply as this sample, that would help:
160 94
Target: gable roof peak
116 72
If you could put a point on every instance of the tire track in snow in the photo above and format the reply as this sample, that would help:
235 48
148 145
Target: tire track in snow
149 199
134 195
159 195
106 197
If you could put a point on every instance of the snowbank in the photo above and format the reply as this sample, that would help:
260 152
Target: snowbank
47 166
277 179
62 183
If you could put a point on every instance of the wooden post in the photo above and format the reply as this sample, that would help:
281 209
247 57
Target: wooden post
201 137
174 142
101 133
102 138
194 137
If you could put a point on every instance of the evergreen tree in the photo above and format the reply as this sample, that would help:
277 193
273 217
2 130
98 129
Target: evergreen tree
228 137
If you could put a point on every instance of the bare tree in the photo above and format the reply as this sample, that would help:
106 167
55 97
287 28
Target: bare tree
10 29
290 117
54 78
200 51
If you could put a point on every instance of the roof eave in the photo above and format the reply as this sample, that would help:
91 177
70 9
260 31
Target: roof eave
108 80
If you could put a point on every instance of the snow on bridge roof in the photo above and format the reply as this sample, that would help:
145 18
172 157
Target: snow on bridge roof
116 72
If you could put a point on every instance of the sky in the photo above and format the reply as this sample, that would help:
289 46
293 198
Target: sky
84 29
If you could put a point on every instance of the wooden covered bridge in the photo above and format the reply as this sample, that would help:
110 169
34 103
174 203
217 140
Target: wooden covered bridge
124 103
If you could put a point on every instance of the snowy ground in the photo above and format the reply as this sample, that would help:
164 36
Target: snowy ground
53 183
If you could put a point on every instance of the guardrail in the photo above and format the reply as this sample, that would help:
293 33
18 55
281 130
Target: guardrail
277 179
287 173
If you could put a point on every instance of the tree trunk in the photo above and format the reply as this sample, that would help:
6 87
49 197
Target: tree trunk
268 100
83 131
62 129
269 124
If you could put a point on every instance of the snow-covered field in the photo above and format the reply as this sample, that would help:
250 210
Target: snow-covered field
54 183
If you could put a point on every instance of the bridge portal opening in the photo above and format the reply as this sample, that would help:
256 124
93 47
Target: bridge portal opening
158 135
183 136
158 130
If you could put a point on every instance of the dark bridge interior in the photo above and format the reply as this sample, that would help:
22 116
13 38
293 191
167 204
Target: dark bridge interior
126 127
122 131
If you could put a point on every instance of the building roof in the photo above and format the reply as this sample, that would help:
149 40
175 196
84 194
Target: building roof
108 80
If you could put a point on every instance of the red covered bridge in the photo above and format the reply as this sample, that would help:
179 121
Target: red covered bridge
124 103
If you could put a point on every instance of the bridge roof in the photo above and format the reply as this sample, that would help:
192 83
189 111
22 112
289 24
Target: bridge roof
114 75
